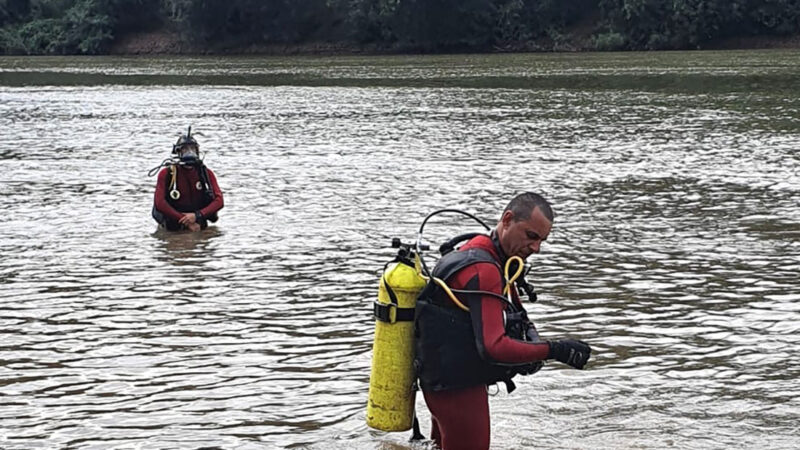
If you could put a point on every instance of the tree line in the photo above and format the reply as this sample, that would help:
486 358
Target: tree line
91 26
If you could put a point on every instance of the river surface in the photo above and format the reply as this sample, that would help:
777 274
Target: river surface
675 178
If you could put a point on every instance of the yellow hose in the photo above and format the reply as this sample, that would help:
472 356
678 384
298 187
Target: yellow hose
509 281
174 193
450 294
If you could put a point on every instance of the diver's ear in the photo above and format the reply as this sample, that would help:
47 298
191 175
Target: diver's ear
506 218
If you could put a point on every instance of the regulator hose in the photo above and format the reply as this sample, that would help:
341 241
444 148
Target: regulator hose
451 292
425 270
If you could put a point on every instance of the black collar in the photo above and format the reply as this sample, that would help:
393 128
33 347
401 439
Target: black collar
500 253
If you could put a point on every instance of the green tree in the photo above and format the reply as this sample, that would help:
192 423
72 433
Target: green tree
14 11
237 22
441 24
90 26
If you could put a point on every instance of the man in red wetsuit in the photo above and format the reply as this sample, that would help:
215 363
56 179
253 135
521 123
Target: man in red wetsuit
187 194
459 353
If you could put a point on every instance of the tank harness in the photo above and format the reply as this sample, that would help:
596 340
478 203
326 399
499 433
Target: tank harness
444 334
392 312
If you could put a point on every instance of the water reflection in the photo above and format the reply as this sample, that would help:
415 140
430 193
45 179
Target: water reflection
185 247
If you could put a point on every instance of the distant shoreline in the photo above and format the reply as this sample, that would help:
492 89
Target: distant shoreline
168 43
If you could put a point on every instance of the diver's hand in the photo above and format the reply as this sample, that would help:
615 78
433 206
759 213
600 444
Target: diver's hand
193 227
187 219
570 351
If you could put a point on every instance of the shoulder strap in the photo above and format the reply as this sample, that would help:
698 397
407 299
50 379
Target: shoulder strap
452 262
382 311
170 172
207 189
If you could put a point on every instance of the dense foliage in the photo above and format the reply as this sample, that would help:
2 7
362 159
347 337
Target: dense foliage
90 26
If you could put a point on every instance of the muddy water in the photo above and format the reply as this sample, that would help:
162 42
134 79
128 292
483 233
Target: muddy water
675 252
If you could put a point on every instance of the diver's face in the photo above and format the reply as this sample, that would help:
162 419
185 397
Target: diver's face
523 237
188 151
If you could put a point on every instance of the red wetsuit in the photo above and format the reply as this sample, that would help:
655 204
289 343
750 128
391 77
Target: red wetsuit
460 417
192 196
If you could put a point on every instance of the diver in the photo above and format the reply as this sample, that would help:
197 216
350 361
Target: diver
187 194
474 332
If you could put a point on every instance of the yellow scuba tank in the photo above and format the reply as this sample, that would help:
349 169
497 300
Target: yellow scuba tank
390 406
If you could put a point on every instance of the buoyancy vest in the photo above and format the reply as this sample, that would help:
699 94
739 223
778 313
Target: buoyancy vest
446 349
202 174
206 199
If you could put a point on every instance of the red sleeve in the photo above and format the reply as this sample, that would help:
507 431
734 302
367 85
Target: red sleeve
161 197
217 203
500 347
487 318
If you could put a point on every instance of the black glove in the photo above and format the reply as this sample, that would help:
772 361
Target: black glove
570 351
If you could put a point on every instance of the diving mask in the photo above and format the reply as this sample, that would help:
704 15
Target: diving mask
189 155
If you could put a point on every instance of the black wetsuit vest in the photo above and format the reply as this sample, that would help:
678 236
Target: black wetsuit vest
446 348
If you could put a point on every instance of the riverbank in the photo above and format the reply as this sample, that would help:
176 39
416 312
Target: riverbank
171 43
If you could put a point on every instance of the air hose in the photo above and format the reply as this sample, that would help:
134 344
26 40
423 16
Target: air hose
451 292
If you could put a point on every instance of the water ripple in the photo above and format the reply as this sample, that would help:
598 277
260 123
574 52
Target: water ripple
674 251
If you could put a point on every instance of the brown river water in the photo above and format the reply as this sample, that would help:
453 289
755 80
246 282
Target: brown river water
675 253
